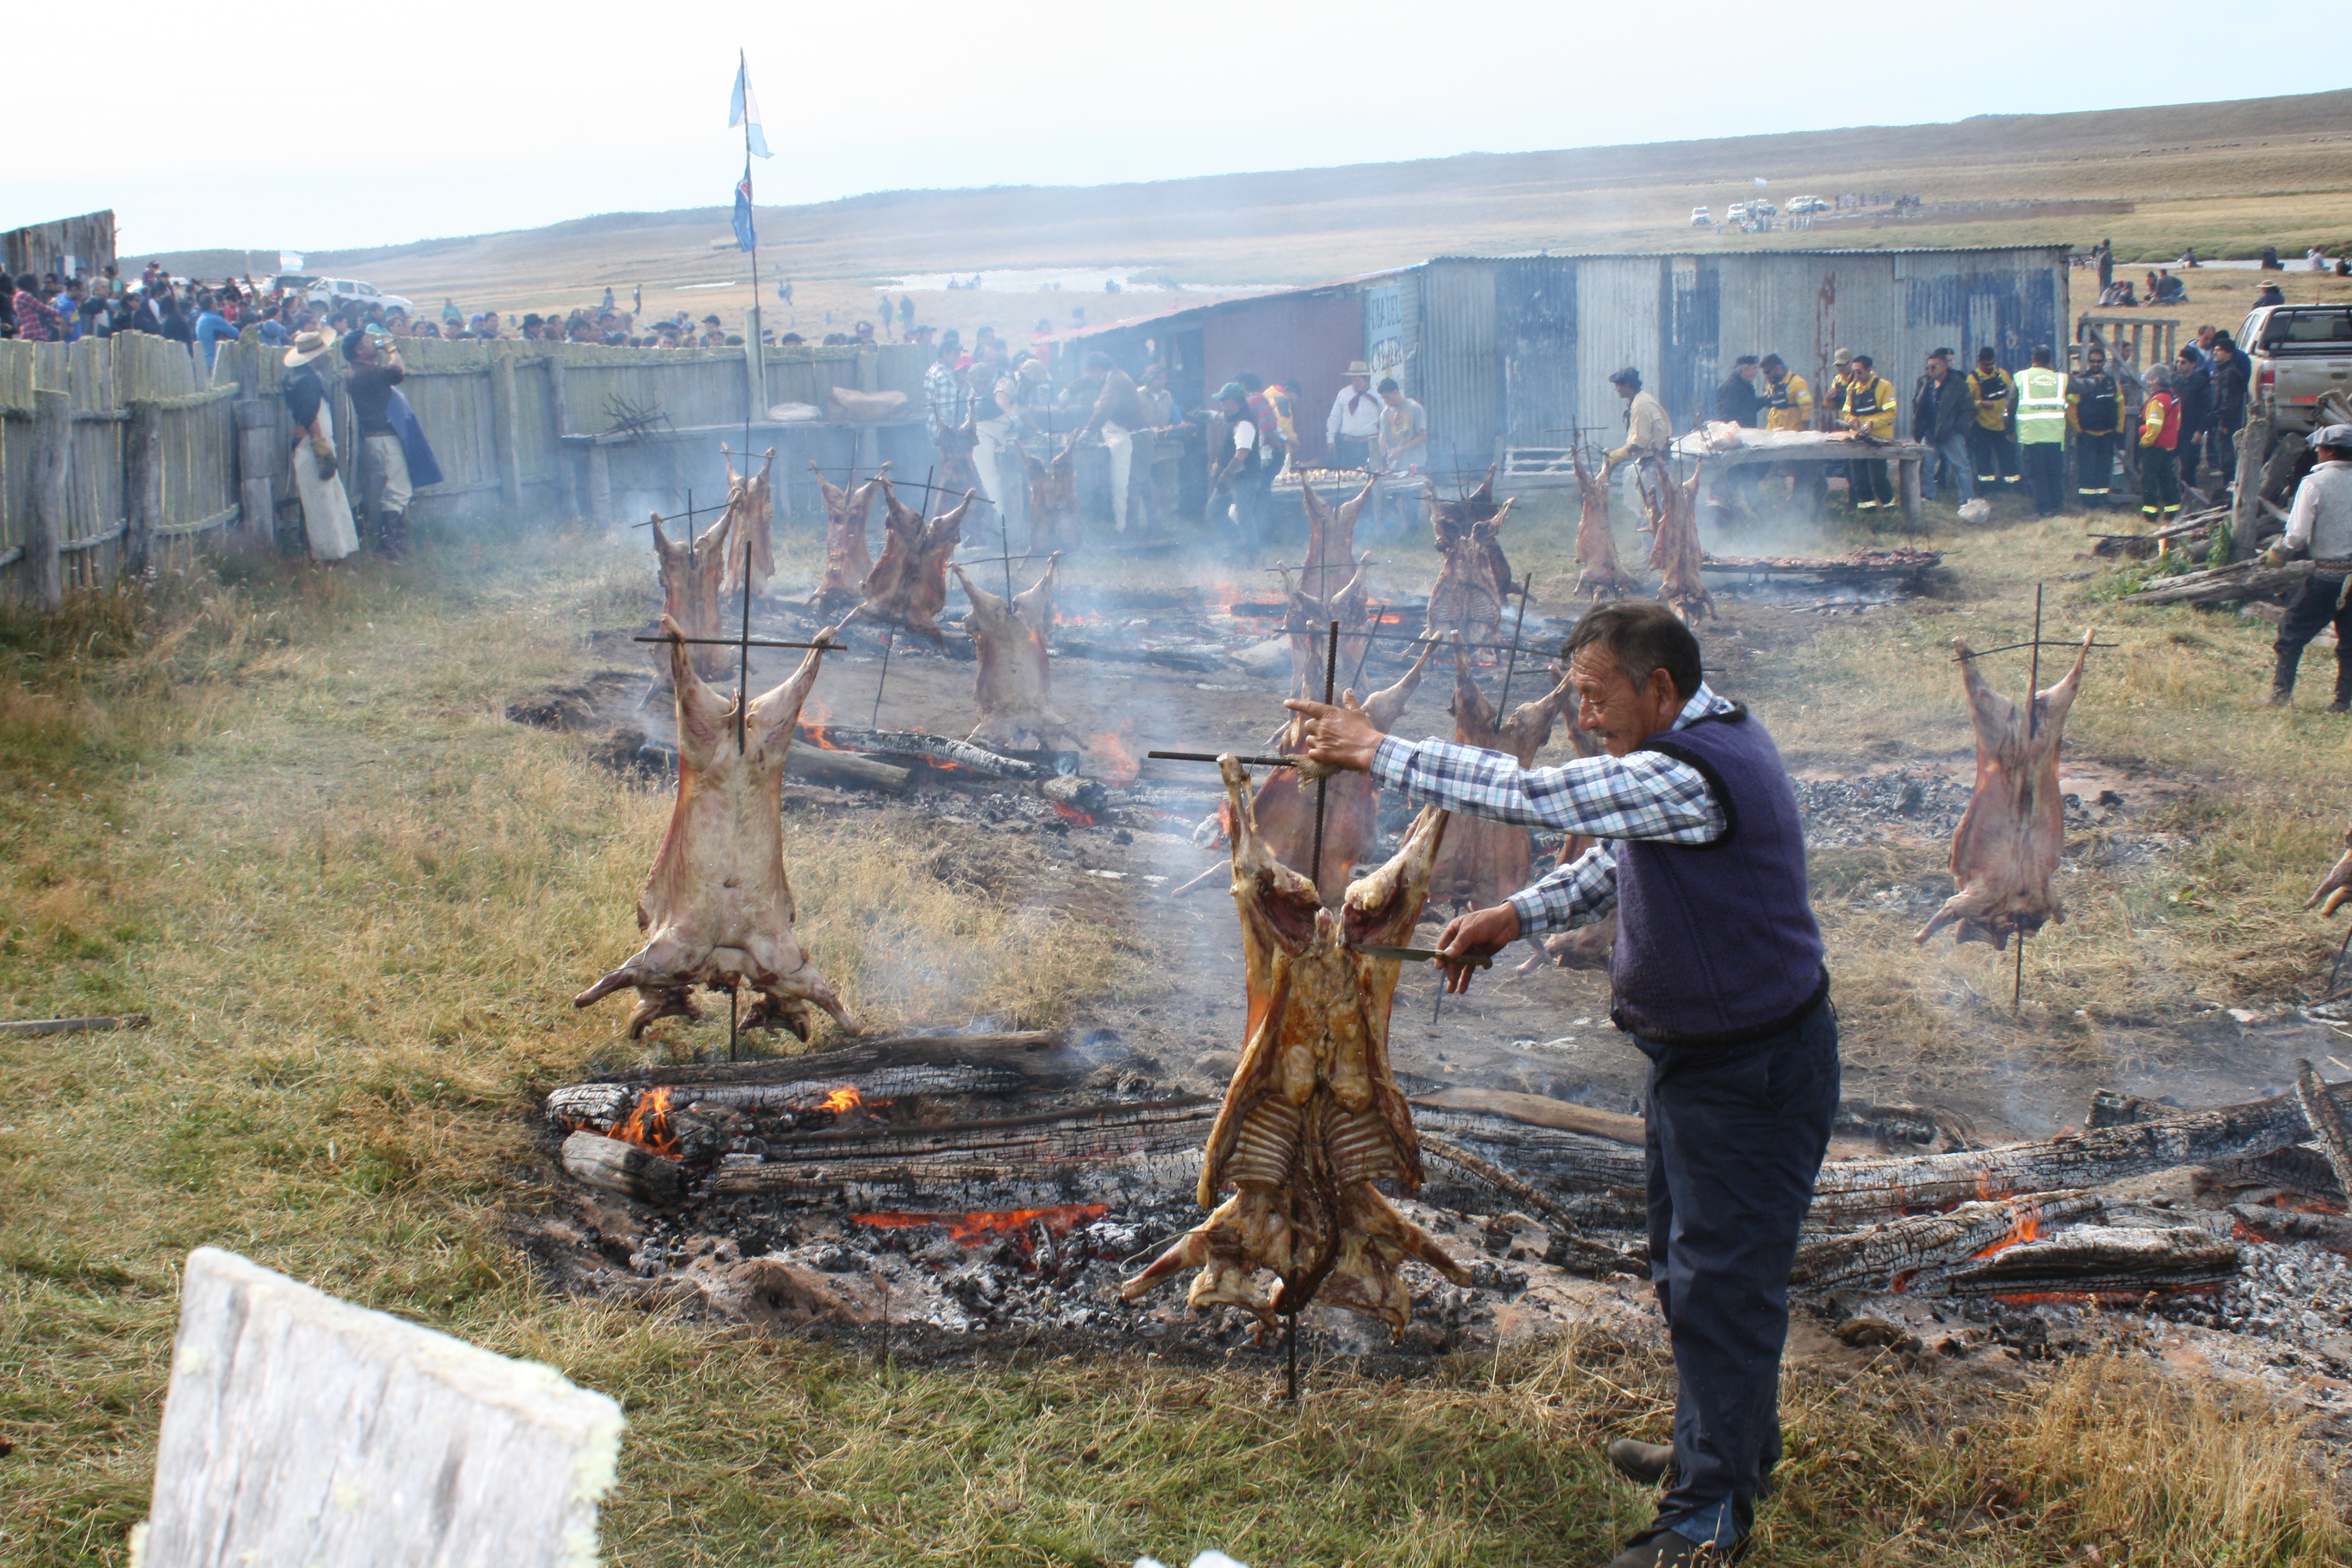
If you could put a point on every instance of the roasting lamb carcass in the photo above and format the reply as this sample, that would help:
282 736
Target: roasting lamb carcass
717 908
1330 538
1052 498
2336 886
1313 1116
909 586
1284 807
847 560
1306 620
1674 554
690 573
1486 862
2007 847
1474 581
1596 544
749 509
1015 684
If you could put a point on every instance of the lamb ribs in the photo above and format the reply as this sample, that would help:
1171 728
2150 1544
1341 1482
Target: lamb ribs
1313 1116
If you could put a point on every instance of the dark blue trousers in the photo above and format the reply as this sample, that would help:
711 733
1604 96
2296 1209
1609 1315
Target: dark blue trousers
1735 1138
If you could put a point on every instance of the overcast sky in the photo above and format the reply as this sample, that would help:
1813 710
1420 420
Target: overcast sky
351 125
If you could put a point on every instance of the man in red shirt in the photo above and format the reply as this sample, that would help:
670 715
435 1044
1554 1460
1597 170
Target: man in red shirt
2159 439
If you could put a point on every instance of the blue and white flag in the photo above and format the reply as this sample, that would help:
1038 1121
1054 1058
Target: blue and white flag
744 110
746 237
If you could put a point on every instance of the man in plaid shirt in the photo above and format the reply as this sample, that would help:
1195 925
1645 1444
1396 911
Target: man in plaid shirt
1718 979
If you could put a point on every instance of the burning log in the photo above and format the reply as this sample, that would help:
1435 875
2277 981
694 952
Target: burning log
2327 1121
1015 685
690 573
1539 1111
716 908
909 586
1674 554
847 561
1919 1252
2006 848
1485 862
1596 542
613 1166
1476 576
940 749
2261 1222
1331 537
2298 1174
750 510
1855 567
2336 886
1284 806
2100 1260
1313 1117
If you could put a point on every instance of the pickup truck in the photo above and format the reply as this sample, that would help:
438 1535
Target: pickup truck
332 292
2299 353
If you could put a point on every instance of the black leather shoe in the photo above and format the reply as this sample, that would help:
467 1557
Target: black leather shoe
1665 1549
1645 1464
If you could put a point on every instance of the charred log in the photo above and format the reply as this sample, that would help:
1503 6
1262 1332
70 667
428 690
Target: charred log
2327 1125
1918 1252
2261 1222
625 1168
2100 1260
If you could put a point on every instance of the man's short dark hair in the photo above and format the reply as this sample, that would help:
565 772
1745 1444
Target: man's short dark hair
1943 355
1745 359
2042 354
1642 635
1773 361
1098 361
1387 384
1864 361
1252 380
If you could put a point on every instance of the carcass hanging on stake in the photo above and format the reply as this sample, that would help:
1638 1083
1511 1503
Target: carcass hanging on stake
717 910
1475 578
847 561
1015 684
1486 862
909 586
1332 538
690 573
1313 1116
1306 618
750 510
1596 544
2006 850
1674 554
2335 887
1052 498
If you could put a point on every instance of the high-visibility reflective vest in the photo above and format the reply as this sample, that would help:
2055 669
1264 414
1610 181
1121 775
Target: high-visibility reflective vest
2041 405
1991 390
1790 406
2159 422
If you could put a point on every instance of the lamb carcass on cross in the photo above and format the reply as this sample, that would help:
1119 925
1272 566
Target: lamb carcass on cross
847 560
717 910
1332 538
909 586
1052 498
1313 1116
1015 683
1600 573
1474 580
1485 862
1674 554
751 540
2007 847
1306 618
690 573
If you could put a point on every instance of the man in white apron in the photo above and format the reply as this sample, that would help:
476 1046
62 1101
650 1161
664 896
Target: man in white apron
326 509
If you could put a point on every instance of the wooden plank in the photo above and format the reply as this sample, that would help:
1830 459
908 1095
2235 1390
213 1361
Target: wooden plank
504 435
1537 1110
75 1025
303 1429
143 462
52 497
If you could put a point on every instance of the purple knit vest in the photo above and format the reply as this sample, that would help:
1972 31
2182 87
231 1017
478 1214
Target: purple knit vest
1716 943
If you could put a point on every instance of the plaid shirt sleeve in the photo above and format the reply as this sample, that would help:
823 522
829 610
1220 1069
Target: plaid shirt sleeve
1645 794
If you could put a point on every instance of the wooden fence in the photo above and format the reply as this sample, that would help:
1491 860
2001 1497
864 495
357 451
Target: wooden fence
112 448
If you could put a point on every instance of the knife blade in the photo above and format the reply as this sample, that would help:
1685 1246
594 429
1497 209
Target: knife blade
1418 955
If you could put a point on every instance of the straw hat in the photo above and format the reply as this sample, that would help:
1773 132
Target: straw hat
310 346
1358 367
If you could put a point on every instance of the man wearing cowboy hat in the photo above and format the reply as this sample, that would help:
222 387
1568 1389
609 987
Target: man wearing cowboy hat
1355 421
326 509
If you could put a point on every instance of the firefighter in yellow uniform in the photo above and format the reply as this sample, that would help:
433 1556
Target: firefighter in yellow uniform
1990 442
2095 408
1788 401
1867 403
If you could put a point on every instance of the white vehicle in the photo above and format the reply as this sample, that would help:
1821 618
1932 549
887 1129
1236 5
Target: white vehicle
1761 209
1736 213
1804 204
1700 219
334 291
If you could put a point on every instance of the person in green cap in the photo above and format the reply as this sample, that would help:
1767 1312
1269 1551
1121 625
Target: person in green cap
1241 471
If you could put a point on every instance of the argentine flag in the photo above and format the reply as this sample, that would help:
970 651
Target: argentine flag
746 237
744 110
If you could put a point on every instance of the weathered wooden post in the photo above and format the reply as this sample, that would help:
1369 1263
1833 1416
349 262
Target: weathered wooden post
1907 477
301 1429
600 481
558 400
503 423
2246 491
142 464
257 455
52 495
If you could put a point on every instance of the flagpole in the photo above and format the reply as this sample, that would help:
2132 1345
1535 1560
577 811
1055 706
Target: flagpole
757 404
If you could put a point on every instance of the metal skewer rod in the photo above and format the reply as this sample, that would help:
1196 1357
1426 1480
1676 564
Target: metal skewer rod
1323 784
2032 713
1212 756
730 642
1503 706
743 718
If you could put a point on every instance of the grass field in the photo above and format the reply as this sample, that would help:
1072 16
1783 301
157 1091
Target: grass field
279 808
2226 178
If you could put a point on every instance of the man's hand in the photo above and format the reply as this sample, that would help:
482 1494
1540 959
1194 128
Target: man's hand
1481 933
1338 735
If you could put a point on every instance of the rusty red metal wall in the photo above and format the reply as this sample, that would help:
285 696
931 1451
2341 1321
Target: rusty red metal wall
1311 336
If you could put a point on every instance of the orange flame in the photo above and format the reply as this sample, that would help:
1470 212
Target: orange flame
845 1098
1115 763
2027 1228
647 1124
1080 817
972 1229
